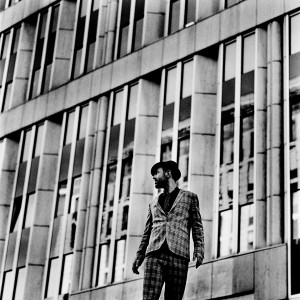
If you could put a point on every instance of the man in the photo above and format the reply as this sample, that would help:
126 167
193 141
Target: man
166 239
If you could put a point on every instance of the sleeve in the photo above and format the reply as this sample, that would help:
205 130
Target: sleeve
197 228
140 256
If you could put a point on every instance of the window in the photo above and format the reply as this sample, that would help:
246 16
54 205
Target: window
92 36
50 50
53 278
236 200
66 275
190 12
138 24
124 28
1 153
8 285
174 16
294 94
20 284
29 211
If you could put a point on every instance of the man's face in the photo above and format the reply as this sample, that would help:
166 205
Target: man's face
160 179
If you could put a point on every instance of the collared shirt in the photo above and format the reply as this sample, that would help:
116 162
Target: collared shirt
172 196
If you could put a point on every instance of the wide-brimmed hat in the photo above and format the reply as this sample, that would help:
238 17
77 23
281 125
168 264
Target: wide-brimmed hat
169 165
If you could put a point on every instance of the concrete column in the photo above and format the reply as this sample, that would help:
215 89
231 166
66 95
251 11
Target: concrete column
110 33
64 43
23 64
38 238
144 158
84 196
7 178
274 136
203 129
153 21
260 139
94 194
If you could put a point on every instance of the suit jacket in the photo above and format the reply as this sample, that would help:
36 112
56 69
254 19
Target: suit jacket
173 227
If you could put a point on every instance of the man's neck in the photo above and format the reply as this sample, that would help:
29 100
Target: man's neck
171 186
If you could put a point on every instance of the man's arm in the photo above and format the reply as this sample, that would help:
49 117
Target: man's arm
197 232
140 255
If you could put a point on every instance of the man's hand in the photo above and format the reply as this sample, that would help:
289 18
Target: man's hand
135 267
199 259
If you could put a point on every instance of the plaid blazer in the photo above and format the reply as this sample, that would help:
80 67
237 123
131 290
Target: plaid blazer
173 227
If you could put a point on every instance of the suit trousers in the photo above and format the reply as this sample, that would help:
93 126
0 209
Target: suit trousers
164 267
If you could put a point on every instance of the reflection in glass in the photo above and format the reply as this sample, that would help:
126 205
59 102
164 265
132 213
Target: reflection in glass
295 33
66 276
119 260
29 211
8 285
230 58
20 286
103 265
53 277
70 128
61 198
26 145
38 141
246 227
225 235
138 24
174 15
15 221
190 11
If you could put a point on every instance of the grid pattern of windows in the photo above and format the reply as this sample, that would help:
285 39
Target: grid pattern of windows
237 148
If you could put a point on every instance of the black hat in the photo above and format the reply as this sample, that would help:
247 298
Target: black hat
169 165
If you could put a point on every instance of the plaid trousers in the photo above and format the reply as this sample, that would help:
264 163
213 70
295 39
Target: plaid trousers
164 267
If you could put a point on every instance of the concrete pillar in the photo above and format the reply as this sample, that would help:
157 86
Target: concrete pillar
144 158
153 21
64 43
45 188
110 32
203 129
23 64
84 196
7 176
94 195
260 140
274 136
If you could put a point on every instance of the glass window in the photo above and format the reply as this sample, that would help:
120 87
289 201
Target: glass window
83 122
61 198
133 98
120 260
70 128
226 236
138 24
1 153
103 265
229 63
50 49
20 286
124 28
295 33
29 211
190 11
53 277
248 53
66 274
38 55
8 285
26 145
174 15
38 141
117 108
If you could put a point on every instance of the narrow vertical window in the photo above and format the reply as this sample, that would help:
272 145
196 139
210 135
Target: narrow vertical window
20 284
294 88
38 55
79 39
138 24
92 36
8 285
124 28
190 12
66 274
50 50
174 16
53 278
227 153
168 114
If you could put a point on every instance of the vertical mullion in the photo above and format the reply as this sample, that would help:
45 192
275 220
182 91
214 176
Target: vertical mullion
237 115
218 153
102 190
176 110
117 185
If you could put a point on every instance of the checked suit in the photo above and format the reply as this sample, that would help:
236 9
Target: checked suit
166 245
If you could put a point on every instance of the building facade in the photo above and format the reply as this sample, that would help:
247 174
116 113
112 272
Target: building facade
94 92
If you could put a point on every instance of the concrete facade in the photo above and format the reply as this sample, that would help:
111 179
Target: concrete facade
75 159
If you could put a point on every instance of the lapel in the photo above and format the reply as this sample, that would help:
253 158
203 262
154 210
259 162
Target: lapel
158 205
179 196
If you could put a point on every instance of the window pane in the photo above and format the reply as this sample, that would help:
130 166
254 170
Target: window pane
174 15
183 161
132 105
29 212
38 141
117 112
295 33
16 214
187 81
26 145
70 128
190 11
103 265
8 285
66 276
53 278
61 198
120 260
1 153
83 121
75 195
6 99
20 287
225 239
248 53
138 23
124 27
246 227
170 86
229 64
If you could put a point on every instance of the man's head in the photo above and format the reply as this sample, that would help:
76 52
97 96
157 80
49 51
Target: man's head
163 172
